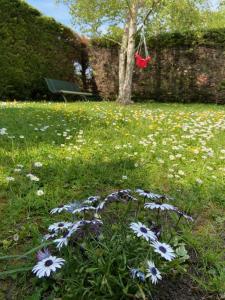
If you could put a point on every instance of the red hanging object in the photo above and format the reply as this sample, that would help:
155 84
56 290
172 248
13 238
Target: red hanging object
141 62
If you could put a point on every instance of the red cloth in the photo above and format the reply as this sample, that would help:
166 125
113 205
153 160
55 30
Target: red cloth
141 62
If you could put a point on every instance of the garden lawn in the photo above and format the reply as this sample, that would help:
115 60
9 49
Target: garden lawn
76 150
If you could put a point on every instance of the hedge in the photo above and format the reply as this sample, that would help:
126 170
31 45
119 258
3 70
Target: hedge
33 47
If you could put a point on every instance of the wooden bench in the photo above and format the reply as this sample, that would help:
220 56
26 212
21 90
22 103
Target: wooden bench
62 88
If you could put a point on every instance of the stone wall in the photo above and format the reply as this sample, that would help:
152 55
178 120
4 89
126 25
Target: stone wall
184 74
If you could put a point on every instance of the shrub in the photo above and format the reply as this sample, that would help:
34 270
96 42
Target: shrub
113 249
33 47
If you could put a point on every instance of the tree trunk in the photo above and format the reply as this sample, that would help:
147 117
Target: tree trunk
122 62
126 60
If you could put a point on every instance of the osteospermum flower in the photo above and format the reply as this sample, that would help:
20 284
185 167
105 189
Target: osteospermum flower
92 199
183 214
142 231
164 250
161 206
60 208
60 226
42 254
46 266
136 273
101 206
83 209
153 272
62 241
148 194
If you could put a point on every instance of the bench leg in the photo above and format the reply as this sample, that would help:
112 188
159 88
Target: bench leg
64 98
84 97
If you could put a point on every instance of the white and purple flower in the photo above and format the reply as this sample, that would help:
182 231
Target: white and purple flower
165 250
142 231
153 272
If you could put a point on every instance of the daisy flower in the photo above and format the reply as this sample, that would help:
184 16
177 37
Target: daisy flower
164 206
62 241
136 273
60 208
10 178
44 267
3 131
40 193
101 206
60 226
183 214
48 236
33 177
153 272
38 164
83 209
43 254
91 200
148 194
164 250
142 231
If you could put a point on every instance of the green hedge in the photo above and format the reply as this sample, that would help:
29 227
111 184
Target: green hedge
32 47
210 38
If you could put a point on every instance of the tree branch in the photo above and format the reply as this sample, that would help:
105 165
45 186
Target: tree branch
130 11
147 15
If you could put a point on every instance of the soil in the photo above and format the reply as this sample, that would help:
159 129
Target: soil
183 289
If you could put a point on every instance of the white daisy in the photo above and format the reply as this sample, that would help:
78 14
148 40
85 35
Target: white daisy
10 178
164 250
92 199
46 266
60 226
48 236
3 131
83 209
62 241
60 208
183 214
163 206
40 193
33 177
101 206
142 231
153 272
148 194
38 164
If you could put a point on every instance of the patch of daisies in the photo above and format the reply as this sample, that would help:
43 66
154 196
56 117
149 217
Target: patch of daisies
86 221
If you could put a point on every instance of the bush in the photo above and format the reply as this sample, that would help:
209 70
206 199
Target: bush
33 47
113 248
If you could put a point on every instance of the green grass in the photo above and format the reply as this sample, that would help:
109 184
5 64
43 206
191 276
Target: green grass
96 148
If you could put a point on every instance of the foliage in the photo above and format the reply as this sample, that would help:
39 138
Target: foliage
33 47
212 37
105 256
100 17
84 148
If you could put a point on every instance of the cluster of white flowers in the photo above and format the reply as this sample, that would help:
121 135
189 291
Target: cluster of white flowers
61 232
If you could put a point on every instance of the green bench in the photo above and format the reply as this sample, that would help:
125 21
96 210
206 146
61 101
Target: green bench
62 88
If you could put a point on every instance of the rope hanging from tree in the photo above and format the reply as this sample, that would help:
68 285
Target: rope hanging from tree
142 62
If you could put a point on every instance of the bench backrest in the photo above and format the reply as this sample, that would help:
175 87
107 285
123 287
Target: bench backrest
55 86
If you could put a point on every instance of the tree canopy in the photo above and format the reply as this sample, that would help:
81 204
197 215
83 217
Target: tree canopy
98 17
